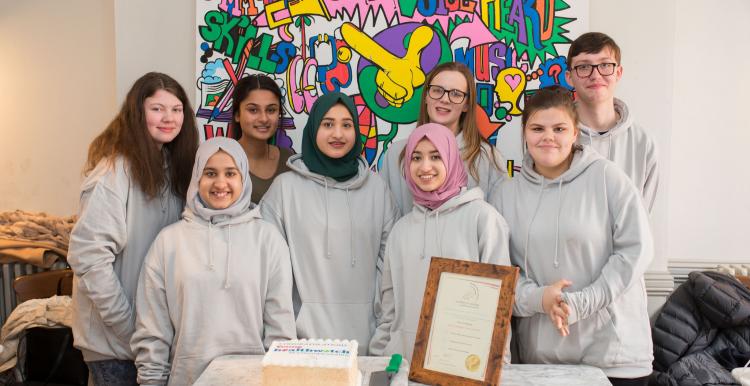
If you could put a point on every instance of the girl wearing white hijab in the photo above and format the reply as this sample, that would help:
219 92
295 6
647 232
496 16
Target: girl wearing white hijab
217 282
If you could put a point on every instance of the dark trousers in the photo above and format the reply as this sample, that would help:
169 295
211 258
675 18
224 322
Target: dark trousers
643 381
113 372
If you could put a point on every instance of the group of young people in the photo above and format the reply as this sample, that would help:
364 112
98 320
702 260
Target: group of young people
184 252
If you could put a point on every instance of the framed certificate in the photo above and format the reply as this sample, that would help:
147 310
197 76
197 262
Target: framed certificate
464 324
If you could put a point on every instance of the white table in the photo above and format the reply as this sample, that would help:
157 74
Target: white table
246 370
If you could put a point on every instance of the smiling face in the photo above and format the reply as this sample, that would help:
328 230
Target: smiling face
596 87
259 115
336 133
550 135
164 116
426 167
220 184
442 110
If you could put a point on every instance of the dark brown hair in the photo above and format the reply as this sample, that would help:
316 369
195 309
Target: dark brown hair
244 87
547 98
127 136
468 121
591 43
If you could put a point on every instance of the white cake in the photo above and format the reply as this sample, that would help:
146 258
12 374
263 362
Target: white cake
311 362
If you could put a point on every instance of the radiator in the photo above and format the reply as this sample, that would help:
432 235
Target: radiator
681 268
10 272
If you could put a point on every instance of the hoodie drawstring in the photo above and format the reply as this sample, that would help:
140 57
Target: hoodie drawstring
439 237
227 284
210 249
328 242
351 229
528 231
557 222
424 236
609 147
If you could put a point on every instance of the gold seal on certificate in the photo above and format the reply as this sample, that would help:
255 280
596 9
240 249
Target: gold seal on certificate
464 323
472 362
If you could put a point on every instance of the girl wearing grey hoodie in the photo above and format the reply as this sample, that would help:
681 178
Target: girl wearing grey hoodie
217 282
581 236
447 220
336 216
137 173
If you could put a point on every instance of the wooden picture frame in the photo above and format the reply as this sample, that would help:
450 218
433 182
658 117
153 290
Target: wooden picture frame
481 271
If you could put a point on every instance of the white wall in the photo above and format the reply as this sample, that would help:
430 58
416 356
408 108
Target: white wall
709 200
56 93
647 84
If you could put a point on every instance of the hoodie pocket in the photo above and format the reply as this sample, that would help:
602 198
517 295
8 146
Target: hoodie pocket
337 321
631 323
602 344
538 341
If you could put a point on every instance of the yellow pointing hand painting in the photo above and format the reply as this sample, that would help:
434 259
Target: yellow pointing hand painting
397 77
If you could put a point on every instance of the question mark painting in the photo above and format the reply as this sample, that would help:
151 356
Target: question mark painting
552 73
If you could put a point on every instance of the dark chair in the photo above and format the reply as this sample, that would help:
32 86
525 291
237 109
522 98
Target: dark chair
43 285
46 355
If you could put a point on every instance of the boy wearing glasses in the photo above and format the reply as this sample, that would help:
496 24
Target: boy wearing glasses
606 125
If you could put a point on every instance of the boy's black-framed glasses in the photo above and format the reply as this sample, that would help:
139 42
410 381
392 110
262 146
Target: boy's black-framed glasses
454 96
585 70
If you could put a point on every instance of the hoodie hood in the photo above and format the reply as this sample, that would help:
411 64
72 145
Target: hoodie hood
297 164
588 135
340 169
464 196
194 202
583 157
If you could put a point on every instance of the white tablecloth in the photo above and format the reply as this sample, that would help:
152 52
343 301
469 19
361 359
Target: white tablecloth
246 370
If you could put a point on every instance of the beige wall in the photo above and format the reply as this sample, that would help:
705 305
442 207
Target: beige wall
57 90
154 36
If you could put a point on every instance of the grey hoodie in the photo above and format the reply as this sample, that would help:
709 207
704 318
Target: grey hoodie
217 282
464 227
631 148
391 172
588 226
336 233
117 223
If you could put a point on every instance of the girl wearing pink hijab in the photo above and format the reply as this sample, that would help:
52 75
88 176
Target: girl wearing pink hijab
447 220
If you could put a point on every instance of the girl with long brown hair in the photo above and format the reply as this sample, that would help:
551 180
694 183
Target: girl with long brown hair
137 172
449 98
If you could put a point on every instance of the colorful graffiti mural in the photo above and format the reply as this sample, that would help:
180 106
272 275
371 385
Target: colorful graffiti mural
379 52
